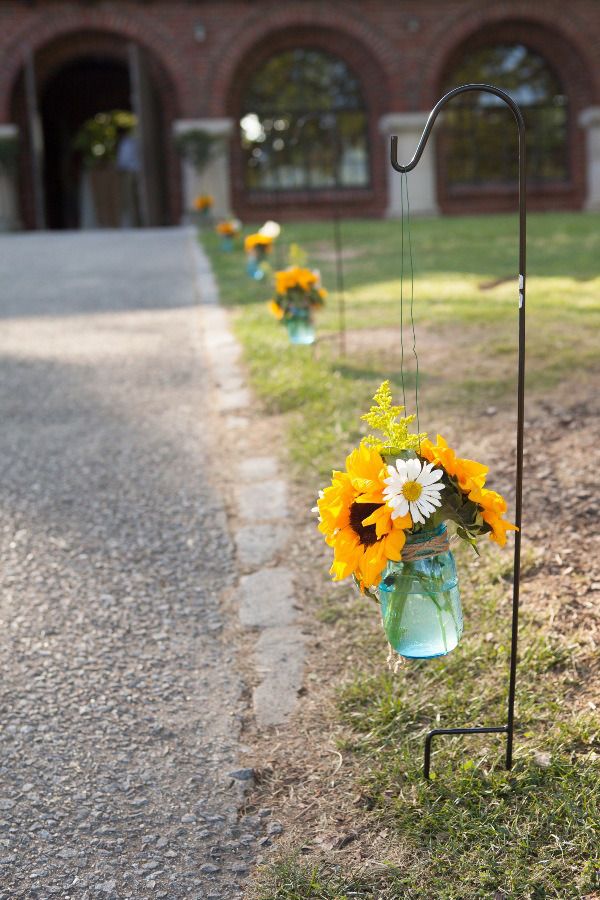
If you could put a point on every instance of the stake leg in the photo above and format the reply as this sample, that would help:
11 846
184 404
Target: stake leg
499 729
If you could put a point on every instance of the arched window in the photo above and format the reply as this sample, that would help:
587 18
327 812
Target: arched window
481 136
304 125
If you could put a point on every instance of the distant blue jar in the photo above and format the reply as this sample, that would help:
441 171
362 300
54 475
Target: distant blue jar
420 599
254 269
300 326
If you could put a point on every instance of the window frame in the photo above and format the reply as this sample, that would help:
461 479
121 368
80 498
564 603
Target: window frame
503 185
305 190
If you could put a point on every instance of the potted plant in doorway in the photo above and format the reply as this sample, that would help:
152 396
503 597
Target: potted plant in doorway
104 193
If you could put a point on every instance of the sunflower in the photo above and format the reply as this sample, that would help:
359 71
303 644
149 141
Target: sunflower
468 473
356 521
228 228
276 309
252 241
470 476
295 277
203 202
493 506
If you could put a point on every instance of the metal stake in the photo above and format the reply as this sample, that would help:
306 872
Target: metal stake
507 729
339 270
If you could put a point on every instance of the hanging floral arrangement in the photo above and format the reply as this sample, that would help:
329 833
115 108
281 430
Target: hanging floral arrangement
257 247
298 293
228 230
203 203
386 517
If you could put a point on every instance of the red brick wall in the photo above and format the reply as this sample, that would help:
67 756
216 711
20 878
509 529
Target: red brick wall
402 52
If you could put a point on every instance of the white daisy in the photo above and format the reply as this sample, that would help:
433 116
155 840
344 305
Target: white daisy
413 487
270 229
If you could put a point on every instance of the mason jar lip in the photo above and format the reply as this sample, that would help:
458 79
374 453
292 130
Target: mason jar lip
425 534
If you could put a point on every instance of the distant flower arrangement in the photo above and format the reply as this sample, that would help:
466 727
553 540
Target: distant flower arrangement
203 203
296 289
298 293
257 242
228 228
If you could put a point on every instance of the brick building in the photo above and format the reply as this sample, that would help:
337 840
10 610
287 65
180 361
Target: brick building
304 96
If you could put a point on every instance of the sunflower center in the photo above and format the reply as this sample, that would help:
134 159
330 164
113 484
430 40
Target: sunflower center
367 534
411 491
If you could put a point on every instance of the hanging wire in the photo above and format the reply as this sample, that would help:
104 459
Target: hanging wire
412 299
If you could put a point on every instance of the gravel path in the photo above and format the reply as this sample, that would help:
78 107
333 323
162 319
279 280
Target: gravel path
120 707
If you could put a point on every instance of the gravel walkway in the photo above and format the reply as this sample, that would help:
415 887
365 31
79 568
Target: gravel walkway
120 706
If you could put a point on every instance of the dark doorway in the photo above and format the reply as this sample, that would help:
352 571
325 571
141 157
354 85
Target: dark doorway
76 93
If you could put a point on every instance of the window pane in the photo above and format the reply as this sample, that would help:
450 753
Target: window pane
303 125
482 139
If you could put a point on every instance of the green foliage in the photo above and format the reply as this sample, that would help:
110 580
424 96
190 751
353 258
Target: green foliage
291 880
197 146
382 416
9 151
98 138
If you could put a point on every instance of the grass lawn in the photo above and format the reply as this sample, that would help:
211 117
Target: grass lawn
476 831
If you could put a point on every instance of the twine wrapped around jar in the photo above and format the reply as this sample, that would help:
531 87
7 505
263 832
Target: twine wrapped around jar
431 546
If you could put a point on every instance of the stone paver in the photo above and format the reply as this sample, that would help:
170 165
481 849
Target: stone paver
256 545
263 500
266 598
120 705
279 658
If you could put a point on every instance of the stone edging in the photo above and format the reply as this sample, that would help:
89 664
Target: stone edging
267 591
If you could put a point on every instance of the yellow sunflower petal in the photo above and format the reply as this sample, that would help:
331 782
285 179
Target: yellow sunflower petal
394 542
372 564
381 518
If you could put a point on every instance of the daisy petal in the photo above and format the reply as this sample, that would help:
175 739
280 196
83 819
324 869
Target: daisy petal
430 477
400 507
413 469
416 514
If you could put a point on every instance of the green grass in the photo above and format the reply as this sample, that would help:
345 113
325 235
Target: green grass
476 831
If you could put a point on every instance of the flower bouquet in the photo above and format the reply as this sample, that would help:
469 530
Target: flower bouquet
386 517
203 205
257 247
298 293
228 231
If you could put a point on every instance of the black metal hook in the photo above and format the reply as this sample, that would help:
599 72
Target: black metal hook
507 729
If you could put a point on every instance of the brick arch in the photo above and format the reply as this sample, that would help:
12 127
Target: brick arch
332 26
70 43
52 25
371 76
550 30
564 58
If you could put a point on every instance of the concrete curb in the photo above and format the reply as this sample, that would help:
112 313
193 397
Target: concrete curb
266 591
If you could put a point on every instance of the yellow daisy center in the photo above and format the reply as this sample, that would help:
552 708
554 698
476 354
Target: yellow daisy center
411 491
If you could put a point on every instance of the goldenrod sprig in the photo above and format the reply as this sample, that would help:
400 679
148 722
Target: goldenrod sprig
382 416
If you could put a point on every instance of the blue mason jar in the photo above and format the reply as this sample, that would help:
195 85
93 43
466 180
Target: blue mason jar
420 599
300 326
